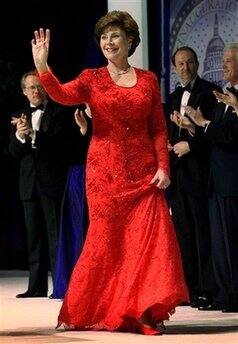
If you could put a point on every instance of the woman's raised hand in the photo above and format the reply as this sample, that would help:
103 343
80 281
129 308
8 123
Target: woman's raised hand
40 49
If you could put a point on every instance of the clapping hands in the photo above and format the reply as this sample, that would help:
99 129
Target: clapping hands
22 125
182 121
227 98
81 120
196 116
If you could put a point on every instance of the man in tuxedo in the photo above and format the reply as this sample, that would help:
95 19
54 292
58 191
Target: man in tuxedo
190 158
40 142
223 188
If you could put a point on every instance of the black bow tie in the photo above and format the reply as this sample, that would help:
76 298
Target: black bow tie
188 87
39 107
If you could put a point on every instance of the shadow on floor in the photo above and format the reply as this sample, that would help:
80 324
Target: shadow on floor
38 336
200 329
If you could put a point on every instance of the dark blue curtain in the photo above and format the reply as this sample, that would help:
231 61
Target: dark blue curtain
158 12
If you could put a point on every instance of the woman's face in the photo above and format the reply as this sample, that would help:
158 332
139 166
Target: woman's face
114 43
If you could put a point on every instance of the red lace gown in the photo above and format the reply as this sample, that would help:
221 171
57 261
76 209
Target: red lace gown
130 262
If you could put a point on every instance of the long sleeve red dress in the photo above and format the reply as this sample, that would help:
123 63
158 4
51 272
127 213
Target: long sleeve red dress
130 262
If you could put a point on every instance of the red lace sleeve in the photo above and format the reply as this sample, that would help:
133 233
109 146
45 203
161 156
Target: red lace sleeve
71 93
158 127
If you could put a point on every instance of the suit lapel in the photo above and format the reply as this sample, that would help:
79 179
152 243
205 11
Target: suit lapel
193 99
229 113
177 98
195 96
46 118
28 114
219 114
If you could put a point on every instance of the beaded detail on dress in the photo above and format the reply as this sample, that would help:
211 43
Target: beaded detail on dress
130 262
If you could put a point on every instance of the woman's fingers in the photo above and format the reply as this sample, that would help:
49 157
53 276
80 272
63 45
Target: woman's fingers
41 37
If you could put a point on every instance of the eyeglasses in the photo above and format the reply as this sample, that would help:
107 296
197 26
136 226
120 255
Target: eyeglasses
34 88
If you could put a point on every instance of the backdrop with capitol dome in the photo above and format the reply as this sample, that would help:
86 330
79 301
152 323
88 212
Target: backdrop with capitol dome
204 25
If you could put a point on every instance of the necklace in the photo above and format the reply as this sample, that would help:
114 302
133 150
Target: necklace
121 72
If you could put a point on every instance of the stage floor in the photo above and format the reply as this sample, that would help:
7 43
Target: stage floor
33 321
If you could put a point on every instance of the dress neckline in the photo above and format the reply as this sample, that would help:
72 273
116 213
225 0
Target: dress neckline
114 83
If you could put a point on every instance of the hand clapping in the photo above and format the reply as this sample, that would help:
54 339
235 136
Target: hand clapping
22 125
81 121
227 98
196 116
182 121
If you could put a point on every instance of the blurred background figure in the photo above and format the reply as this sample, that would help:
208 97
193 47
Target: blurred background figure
223 186
190 160
40 143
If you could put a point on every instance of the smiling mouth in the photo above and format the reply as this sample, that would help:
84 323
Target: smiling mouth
111 49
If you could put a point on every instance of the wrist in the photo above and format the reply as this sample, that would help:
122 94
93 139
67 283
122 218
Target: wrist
42 68
83 131
191 128
21 135
204 123
31 133
236 108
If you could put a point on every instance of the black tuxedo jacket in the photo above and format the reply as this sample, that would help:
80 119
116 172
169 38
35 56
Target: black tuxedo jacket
47 164
223 133
190 172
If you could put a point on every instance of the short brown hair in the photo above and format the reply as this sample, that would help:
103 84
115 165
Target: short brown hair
124 21
184 48
24 76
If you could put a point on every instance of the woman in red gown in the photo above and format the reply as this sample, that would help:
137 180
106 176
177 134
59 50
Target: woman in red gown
129 276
